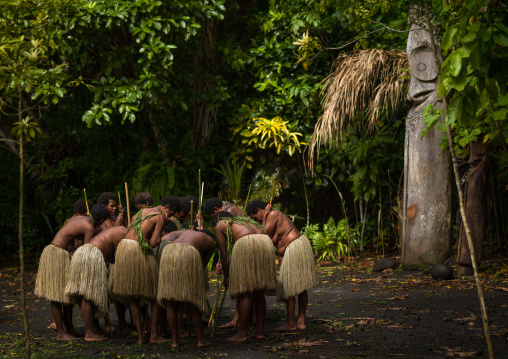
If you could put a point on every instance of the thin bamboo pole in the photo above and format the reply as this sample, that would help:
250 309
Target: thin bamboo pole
430 28
127 204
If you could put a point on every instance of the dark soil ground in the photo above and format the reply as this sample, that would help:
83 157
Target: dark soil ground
352 313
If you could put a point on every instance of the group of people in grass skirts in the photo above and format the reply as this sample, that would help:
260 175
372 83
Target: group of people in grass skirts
158 260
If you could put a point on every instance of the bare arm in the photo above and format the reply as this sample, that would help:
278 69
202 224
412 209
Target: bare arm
157 232
221 244
89 233
269 221
208 254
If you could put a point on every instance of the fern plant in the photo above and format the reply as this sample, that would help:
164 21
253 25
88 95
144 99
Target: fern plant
331 242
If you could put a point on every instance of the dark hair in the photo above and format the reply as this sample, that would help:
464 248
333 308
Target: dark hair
80 206
254 205
192 198
207 232
218 216
143 198
172 202
185 205
99 213
211 205
170 227
104 198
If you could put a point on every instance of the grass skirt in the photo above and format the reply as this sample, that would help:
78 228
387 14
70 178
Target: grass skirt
135 273
89 278
252 265
53 274
297 270
181 276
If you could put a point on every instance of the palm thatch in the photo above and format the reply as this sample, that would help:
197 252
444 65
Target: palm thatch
362 86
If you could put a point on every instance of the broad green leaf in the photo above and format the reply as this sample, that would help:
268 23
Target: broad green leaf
460 81
449 37
454 108
455 63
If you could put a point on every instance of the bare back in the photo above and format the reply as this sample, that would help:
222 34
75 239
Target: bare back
76 231
151 228
107 241
281 229
231 208
204 244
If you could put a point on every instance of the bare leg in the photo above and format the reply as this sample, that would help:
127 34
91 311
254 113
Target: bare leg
87 311
303 299
56 311
67 320
243 318
198 325
290 306
97 327
260 309
154 335
234 321
181 333
171 310
136 315
146 316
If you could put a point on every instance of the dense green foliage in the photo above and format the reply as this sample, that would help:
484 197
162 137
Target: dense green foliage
147 92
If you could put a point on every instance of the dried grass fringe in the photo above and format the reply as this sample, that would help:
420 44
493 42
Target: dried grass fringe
252 265
364 83
297 270
53 274
89 278
135 274
181 276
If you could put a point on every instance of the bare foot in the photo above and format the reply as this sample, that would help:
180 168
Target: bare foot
231 324
53 326
159 340
237 338
183 334
95 338
301 326
286 328
142 340
204 344
258 336
65 337
175 344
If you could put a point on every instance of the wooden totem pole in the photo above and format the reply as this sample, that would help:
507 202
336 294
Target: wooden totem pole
426 223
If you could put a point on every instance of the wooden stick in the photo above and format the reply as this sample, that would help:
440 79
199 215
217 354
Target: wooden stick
128 209
119 199
109 325
88 209
430 29
219 288
86 201
247 200
200 204
218 313
191 222
273 191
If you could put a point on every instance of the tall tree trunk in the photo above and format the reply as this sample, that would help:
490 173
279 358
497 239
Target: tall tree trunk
206 67
155 130
20 232
465 223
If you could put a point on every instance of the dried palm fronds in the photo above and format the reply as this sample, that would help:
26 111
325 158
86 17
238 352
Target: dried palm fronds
361 87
